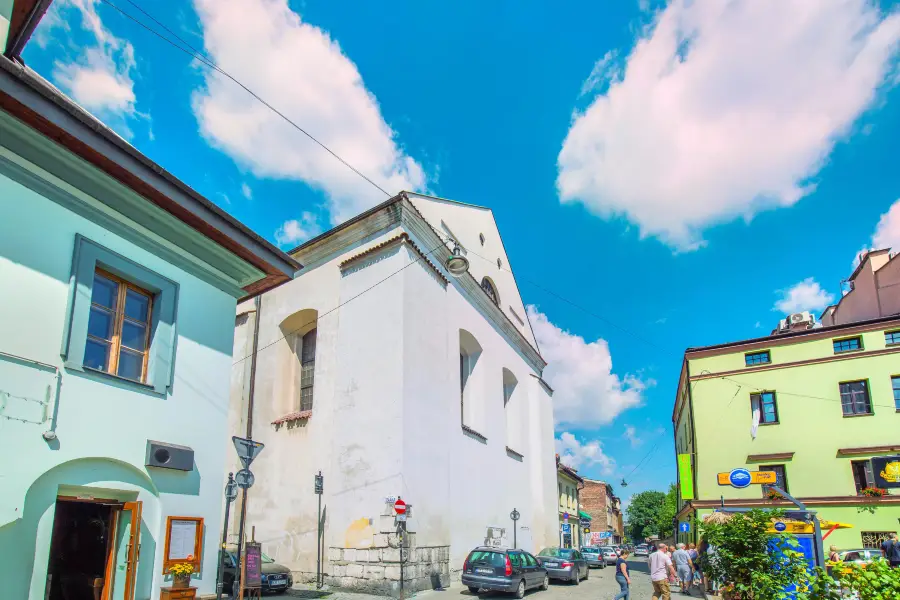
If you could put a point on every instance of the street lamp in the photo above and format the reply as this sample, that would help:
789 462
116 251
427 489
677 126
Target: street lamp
230 495
457 264
319 488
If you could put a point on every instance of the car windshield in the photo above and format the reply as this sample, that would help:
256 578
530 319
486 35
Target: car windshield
497 559
556 552
590 550
606 549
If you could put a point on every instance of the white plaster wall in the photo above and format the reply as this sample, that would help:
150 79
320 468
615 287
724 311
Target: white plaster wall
386 414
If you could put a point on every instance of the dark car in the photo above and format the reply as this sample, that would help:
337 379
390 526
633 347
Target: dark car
593 556
566 564
503 570
276 578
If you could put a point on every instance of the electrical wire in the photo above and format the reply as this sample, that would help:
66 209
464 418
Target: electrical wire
209 63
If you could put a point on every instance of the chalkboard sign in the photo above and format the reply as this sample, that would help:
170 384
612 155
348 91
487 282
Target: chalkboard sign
253 565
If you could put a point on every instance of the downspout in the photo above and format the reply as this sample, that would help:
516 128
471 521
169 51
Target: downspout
578 509
257 302
695 455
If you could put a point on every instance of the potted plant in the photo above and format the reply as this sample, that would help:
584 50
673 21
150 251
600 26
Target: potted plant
181 574
873 492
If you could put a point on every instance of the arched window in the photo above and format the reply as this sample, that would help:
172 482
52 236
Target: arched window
307 369
469 353
513 412
488 286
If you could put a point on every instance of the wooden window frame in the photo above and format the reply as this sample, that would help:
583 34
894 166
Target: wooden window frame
762 412
888 337
115 342
774 468
867 475
868 391
750 358
198 544
837 341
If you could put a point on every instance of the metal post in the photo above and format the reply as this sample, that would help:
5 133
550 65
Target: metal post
238 581
230 495
319 546
400 528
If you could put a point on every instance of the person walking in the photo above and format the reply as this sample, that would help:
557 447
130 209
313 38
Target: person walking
695 559
622 577
660 570
833 557
684 567
891 550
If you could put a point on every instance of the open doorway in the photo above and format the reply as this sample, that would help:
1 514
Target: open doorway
93 550
79 550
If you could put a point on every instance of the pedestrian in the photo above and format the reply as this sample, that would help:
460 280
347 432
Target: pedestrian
660 570
684 567
891 550
622 577
833 557
695 559
673 576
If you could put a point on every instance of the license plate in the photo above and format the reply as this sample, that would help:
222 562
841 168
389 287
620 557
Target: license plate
485 571
277 579
551 565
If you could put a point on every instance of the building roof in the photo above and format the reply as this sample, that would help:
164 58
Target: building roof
793 334
38 104
567 470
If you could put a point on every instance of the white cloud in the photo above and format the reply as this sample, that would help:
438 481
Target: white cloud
247 191
724 109
630 434
576 454
586 391
303 73
805 295
100 78
295 231
887 232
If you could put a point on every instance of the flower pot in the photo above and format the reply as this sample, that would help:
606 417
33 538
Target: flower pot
181 581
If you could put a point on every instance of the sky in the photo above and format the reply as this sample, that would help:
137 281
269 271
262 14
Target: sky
664 175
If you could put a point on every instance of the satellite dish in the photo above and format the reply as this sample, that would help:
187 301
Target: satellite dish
457 264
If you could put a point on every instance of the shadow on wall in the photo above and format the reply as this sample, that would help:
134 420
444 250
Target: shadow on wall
19 539
173 481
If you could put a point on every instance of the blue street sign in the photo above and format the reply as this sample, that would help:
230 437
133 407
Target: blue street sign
779 526
567 528
740 478
684 527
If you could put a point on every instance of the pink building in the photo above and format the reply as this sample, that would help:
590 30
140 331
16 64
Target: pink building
874 290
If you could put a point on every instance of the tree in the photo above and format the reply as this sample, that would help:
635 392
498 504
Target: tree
754 563
643 514
665 521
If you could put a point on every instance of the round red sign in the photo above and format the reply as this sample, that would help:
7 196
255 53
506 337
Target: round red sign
400 506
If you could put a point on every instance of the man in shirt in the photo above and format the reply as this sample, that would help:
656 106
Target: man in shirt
684 567
660 569
890 548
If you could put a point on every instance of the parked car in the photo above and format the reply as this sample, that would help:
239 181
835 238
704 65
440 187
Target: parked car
276 578
859 556
503 570
609 554
642 550
566 564
593 556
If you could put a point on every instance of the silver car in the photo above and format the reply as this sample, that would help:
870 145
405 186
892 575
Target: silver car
609 554
566 564
593 556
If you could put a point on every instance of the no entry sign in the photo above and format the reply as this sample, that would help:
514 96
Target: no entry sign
400 507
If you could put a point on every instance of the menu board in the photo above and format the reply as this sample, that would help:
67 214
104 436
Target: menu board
253 565
182 539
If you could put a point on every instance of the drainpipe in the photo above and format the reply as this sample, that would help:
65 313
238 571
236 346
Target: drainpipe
578 510
258 304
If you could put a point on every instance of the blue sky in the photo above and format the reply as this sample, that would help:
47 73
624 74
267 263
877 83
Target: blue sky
681 174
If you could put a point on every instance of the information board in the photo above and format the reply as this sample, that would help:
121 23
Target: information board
252 565
182 537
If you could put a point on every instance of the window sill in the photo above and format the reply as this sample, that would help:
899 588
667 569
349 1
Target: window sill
871 414
474 434
772 423
514 455
137 385
836 352
294 416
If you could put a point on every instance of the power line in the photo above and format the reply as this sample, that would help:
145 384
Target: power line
351 299
209 63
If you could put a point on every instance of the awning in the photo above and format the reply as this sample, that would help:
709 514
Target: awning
584 515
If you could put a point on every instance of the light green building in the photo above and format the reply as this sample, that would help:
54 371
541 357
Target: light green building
827 400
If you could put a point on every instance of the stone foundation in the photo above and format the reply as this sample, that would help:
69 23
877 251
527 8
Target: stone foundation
376 570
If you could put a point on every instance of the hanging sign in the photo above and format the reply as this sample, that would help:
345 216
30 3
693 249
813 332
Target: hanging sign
886 471
741 478
685 477
253 565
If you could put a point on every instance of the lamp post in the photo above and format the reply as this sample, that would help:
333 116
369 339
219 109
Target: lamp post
319 487
514 515
230 495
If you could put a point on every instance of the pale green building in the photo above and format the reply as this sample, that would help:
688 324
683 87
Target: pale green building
827 400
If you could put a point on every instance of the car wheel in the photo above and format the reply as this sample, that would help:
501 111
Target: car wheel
546 584
473 589
520 591
576 578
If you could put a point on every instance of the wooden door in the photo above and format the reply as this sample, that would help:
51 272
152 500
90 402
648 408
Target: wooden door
125 547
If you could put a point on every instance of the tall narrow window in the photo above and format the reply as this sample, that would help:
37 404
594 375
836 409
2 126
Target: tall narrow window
469 352
513 413
307 369
118 328
895 383
855 398
862 474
